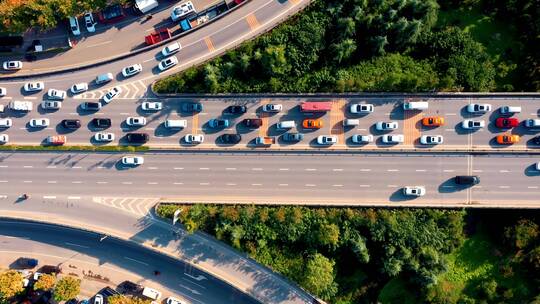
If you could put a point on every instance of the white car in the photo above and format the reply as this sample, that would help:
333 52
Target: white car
132 70
74 26
473 124
182 10
194 138
414 191
392 139
136 121
89 22
326 139
272 108
538 166
383 126
98 299
167 63
79 88
132 160
152 106
33 86
56 94
51 105
37 275
112 94
172 300
361 139
6 122
12 65
104 136
478 108
3 92
361 108
171 49
4 138
431 139
532 123
39 122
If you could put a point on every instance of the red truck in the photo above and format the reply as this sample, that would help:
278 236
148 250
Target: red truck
315 106
157 36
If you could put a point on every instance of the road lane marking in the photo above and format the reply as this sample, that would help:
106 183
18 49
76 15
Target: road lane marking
311 169
98 44
252 22
420 170
446 170
76 182
3 181
204 168
310 185
204 184
30 97
51 167
51 182
504 187
504 171
392 170
3 166
283 185
209 43
476 170
76 245
176 183
127 183
392 186
336 170
74 197
256 169
28 166
256 184
102 182
152 168
177 168
365 170
137 261
230 169
27 182
49 197
364 186
451 114
337 185
532 187
231 184
152 183
283 169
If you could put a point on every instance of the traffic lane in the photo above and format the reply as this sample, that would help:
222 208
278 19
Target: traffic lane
507 178
176 276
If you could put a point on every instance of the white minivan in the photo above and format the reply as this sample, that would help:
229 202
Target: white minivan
509 110
415 105
74 26
285 125
175 123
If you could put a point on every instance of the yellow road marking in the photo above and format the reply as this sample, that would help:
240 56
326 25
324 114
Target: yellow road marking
209 43
294 1
337 115
195 124
410 129
263 130
252 22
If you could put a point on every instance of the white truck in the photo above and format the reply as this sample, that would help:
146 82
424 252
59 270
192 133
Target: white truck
146 5
21 106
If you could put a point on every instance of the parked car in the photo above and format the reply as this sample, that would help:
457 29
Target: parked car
182 10
27 263
506 123
292 137
172 300
192 107
230 138
51 104
137 138
101 123
112 94
79 88
4 138
171 49
12 65
384 126
507 139
90 106
131 70
312 123
509 110
326 140
167 63
433 121
152 106
473 124
136 121
3 91
74 26
56 94
104 136
478 108
218 123
532 123
71 123
272 108
414 191
392 138
236 110
362 139
98 299
252 122
361 108
467 180
431 139
35 86
6 122
194 138
132 160
90 22
39 122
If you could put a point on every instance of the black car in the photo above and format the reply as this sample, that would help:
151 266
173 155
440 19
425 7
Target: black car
230 138
191 107
90 106
137 138
536 140
236 109
71 123
130 287
292 137
27 263
101 123
467 180
50 269
252 122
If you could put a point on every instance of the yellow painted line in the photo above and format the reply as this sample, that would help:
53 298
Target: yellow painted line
253 22
337 115
195 124
294 2
263 130
410 129
209 43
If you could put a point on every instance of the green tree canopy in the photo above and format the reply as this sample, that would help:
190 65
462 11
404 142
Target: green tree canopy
319 276
66 288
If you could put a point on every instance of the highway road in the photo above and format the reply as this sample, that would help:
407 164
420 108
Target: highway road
114 259
386 109
334 179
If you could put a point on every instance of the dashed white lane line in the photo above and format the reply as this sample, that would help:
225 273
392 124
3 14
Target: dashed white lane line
283 185
152 183
364 186
49 197
365 170
204 168
204 184
177 183
310 185
231 184
28 182
451 114
102 182
51 182
3 166
283 169
127 183
392 186
256 169
51 167
76 245
152 168
256 184
76 167
449 130
448 170
178 168
337 170
72 113
477 170
504 187
124 113
420 170
3 181
74 197
136 261
28 166
532 187
504 171
311 169
76 182
230 169
337 185
392 170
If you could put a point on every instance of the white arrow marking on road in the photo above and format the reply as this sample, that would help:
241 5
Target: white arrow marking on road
190 289
197 278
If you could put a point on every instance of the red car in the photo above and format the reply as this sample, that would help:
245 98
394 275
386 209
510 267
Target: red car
506 123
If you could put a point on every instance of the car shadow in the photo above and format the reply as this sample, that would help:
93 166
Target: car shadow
531 170
398 196
531 145
61 130
449 186
162 131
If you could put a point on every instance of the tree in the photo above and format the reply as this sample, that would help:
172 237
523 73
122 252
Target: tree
45 282
66 288
327 235
533 258
274 61
319 276
523 234
343 50
11 283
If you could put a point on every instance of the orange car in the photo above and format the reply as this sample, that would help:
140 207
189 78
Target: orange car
507 139
433 121
312 124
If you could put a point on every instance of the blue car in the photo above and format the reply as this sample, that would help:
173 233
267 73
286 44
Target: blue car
218 123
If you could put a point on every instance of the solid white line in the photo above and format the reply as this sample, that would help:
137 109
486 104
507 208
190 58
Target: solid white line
76 245
74 197
49 196
135 261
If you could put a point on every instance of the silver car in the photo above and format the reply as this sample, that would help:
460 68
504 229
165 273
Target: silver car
473 124
51 105
392 139
362 139
431 139
56 94
136 121
362 108
383 126
132 70
39 122
79 88
33 86
194 138
478 108
112 94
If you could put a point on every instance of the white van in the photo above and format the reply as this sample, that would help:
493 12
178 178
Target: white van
509 110
104 78
175 123
285 125
151 293
415 105
74 26
351 122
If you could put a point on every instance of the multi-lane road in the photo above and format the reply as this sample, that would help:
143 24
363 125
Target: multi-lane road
351 179
386 109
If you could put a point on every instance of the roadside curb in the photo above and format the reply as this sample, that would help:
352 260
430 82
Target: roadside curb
121 56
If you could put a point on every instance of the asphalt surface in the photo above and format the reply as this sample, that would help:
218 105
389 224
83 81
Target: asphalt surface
386 109
178 278
292 178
